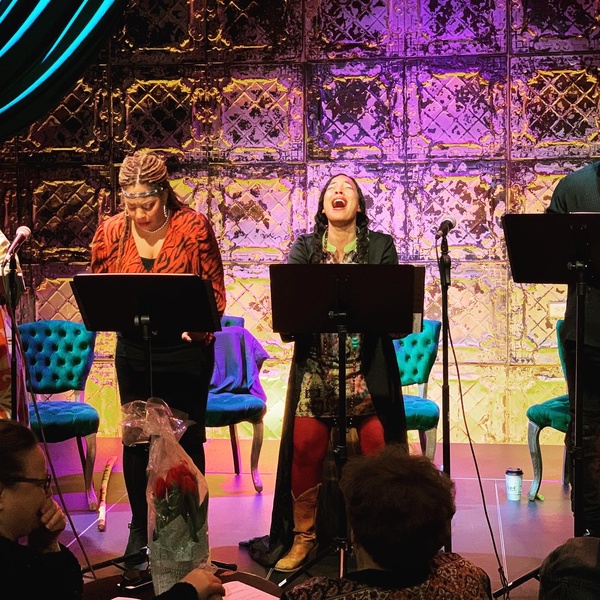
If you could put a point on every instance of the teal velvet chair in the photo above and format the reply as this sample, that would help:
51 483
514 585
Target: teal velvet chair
58 358
236 393
551 413
416 354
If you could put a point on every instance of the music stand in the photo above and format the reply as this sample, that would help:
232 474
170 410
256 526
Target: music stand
359 298
147 302
564 249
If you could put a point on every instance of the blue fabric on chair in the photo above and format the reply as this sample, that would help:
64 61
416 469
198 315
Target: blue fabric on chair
236 393
416 354
229 320
58 358
553 413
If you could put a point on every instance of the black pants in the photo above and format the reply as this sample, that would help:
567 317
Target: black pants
590 384
180 376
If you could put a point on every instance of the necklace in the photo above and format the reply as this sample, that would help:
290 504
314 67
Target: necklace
158 228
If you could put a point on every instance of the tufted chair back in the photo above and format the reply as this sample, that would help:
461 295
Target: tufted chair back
416 354
59 355
58 358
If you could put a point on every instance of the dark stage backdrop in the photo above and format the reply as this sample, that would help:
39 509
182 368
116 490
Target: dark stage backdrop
45 47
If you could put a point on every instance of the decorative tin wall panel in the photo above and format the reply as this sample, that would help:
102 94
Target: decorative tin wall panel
555 107
477 306
448 27
456 108
355 111
169 31
471 191
247 30
78 129
484 397
255 210
64 212
9 211
567 26
532 336
252 116
524 384
155 110
532 183
359 29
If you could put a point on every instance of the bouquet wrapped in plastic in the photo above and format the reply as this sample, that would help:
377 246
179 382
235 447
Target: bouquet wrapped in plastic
177 496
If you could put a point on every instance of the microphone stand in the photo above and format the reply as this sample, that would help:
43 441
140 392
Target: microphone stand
445 266
12 305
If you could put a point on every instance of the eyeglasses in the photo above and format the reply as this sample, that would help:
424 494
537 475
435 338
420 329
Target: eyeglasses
43 483
133 195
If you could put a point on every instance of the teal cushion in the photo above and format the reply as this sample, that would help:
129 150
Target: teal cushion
421 414
63 420
228 409
552 413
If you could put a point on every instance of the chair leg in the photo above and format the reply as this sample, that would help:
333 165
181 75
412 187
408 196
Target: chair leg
235 448
257 440
565 478
428 442
533 441
88 458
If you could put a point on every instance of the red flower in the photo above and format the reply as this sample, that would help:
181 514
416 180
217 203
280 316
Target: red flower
160 489
188 485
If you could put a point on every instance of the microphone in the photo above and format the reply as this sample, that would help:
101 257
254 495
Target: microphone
446 225
21 236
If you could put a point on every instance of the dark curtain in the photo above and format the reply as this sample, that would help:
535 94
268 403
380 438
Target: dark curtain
45 46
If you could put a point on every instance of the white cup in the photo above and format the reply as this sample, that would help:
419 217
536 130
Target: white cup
514 483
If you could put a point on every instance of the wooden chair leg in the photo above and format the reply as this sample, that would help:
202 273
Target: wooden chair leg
257 440
235 448
88 458
533 441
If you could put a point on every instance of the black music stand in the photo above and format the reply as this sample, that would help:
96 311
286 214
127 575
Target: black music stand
359 298
564 249
146 302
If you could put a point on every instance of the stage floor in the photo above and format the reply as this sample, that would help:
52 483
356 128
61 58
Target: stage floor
488 529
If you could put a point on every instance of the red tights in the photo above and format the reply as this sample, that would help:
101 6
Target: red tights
311 438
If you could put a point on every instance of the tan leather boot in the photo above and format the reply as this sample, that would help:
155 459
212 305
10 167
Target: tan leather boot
305 535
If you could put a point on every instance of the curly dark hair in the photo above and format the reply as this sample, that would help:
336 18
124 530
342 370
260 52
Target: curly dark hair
15 441
362 223
399 508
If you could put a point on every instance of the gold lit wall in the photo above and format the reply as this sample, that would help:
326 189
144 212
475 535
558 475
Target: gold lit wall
471 108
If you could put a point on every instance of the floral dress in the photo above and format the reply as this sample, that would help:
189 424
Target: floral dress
319 390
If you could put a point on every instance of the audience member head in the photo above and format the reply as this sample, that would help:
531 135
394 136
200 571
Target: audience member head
399 507
572 571
24 480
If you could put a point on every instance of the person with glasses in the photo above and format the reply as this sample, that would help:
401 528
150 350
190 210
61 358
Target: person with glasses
43 568
27 510
156 233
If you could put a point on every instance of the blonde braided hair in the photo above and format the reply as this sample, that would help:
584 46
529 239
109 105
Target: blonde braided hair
146 167
142 166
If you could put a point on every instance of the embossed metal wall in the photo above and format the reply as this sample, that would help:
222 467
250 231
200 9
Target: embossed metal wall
471 108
